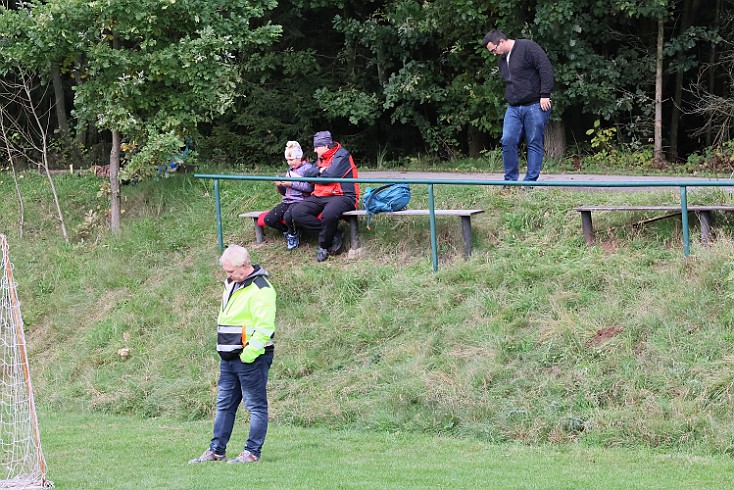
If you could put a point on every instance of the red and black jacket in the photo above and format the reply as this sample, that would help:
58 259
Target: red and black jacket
337 163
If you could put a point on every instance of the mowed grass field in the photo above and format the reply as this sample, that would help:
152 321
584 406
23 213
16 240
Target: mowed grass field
96 451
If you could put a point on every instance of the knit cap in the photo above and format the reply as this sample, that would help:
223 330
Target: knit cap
293 150
322 138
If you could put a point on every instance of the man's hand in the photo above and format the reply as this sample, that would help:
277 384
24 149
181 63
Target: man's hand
545 103
248 356
250 353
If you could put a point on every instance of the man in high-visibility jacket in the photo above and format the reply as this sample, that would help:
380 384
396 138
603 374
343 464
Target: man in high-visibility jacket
246 325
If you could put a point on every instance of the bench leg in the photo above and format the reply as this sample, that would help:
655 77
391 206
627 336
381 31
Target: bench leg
466 234
259 232
354 233
704 219
588 227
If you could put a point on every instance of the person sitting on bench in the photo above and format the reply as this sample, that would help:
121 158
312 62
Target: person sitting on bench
280 216
329 199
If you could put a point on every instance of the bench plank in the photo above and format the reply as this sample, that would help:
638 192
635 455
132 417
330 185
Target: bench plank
653 208
703 212
421 212
351 217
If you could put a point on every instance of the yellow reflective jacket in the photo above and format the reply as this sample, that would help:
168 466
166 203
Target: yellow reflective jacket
246 322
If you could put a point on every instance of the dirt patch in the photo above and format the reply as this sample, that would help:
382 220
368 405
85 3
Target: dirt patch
609 247
603 335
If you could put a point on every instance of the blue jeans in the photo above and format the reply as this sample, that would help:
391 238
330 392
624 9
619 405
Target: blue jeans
530 121
239 381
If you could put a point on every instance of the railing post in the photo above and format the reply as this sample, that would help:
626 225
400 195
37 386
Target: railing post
432 209
684 219
219 214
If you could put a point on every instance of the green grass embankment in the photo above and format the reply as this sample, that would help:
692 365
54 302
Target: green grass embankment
537 338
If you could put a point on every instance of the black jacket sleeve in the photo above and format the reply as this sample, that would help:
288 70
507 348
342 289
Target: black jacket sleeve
340 165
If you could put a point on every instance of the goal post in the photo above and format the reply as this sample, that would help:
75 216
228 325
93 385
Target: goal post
22 464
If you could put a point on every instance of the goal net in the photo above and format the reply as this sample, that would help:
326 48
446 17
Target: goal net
21 459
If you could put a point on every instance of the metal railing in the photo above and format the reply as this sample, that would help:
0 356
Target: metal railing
681 184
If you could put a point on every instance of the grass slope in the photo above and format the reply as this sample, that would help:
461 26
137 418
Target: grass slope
537 339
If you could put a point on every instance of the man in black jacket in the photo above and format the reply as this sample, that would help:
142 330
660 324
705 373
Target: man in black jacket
528 76
329 199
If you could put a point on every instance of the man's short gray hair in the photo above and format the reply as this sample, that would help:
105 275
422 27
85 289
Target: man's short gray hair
235 255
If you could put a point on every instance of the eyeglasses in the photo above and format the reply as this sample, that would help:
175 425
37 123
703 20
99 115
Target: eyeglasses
494 49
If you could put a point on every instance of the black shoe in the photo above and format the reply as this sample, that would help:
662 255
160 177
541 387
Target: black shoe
337 242
322 254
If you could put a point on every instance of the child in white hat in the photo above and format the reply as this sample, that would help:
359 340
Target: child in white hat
293 192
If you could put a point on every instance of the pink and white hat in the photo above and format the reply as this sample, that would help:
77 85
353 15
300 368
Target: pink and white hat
293 150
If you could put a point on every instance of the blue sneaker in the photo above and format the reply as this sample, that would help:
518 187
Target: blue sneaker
293 239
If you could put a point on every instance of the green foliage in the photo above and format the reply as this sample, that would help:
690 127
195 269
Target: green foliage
145 66
157 153
406 75
602 138
718 159
685 43
358 107
278 105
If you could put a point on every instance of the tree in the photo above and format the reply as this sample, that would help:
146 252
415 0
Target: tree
152 69
25 131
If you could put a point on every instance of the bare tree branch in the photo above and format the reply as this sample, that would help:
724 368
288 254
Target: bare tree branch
26 125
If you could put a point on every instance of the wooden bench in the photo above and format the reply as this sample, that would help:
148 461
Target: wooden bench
702 212
352 218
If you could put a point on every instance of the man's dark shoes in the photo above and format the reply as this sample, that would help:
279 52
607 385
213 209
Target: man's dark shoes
322 254
337 242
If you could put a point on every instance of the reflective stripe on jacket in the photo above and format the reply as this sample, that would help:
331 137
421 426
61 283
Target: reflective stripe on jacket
247 316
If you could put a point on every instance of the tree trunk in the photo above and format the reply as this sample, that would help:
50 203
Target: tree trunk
675 117
658 157
477 141
555 139
712 70
81 135
689 11
60 103
115 201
